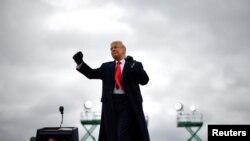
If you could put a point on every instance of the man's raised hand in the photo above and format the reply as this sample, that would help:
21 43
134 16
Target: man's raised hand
78 57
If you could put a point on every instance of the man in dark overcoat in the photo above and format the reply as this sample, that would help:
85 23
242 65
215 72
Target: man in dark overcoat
122 116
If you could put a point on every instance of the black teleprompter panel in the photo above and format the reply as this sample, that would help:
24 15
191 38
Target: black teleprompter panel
57 134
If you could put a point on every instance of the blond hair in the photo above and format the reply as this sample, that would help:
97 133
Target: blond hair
118 42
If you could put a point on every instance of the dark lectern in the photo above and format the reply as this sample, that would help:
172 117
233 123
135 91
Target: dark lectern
57 134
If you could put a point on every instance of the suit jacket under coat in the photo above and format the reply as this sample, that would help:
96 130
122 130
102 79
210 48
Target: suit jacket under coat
131 78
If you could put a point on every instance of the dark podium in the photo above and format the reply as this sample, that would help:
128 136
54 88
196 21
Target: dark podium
57 134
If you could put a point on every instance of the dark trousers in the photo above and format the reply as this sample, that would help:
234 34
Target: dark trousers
125 119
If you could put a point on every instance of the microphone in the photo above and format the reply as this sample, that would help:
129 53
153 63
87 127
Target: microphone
61 109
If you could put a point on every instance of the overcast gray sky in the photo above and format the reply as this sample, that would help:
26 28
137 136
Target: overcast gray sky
194 51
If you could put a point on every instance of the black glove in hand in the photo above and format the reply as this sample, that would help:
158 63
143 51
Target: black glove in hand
131 61
78 57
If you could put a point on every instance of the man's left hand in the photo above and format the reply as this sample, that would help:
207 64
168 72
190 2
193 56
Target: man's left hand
131 61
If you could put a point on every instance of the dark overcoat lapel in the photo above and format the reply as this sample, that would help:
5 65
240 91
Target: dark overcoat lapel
124 71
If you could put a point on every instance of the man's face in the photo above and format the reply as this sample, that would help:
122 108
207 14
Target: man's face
117 51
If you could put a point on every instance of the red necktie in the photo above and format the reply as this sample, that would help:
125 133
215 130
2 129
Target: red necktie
118 75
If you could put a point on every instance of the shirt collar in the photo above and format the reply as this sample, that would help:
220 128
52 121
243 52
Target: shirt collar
122 61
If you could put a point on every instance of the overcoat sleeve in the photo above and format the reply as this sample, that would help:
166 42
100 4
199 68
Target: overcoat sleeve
89 72
140 73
